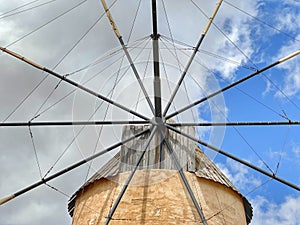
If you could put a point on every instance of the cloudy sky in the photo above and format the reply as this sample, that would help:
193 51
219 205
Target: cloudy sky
74 38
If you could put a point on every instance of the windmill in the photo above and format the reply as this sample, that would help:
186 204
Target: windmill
159 122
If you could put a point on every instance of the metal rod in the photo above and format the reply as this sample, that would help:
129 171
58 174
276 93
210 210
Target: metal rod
262 123
117 33
137 76
185 181
161 153
125 186
64 78
71 123
271 175
196 49
155 45
44 180
233 84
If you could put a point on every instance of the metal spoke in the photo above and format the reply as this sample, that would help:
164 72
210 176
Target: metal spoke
161 152
71 123
271 175
64 78
234 84
262 123
196 49
156 83
114 207
185 181
68 169
117 33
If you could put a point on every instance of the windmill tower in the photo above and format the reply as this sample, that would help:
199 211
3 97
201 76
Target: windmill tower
157 193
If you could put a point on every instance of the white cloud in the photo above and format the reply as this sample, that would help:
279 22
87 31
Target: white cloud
270 213
288 21
268 89
288 18
296 152
8 30
292 2
264 210
239 175
291 85
237 28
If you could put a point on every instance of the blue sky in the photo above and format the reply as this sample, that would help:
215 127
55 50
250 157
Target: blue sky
245 34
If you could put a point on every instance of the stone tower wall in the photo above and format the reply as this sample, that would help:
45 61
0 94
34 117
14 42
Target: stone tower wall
158 197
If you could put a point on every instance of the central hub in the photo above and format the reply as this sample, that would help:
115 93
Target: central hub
158 121
160 124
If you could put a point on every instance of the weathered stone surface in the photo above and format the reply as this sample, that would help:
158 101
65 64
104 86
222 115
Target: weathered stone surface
158 197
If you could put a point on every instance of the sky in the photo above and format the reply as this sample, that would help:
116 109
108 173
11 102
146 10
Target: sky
74 38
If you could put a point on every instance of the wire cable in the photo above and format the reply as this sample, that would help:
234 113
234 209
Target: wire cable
40 83
129 58
70 144
61 60
4 15
144 75
282 92
261 21
26 97
167 79
247 57
104 118
237 88
57 190
47 23
235 201
175 55
35 151
19 7
108 56
171 35
238 132
174 48
95 211
190 48
84 83
220 30
134 20
79 132
73 91
36 114
286 136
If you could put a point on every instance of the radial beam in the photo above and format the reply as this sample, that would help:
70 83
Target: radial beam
196 49
71 123
118 35
271 175
64 78
125 186
161 152
68 169
155 45
234 84
185 181
260 123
